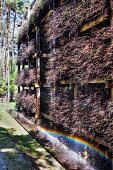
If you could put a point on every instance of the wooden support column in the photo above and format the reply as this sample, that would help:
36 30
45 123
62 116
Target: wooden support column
112 94
75 90
18 72
53 92
72 90
28 38
37 115
29 64
111 8
112 91
18 106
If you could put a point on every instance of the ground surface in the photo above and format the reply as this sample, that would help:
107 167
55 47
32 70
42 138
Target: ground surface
18 150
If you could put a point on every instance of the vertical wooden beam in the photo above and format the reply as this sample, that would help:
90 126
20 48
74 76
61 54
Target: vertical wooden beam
72 90
75 90
53 92
112 92
18 106
37 115
111 8
29 64
18 72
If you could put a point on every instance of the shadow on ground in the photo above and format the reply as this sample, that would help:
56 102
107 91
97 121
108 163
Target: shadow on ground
27 149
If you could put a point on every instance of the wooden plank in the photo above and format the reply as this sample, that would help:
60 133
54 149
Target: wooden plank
46 116
96 81
104 80
66 81
112 93
111 7
93 23
46 56
37 114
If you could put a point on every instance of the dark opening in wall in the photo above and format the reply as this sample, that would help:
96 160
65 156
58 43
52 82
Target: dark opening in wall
32 35
98 89
45 99
43 70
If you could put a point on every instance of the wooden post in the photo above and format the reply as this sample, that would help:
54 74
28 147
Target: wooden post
18 72
112 93
37 115
75 90
111 8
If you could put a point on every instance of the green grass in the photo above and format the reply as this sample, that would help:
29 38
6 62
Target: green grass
12 157
5 106
10 131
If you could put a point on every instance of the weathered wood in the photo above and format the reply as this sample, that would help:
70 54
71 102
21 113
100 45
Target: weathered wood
111 8
112 93
46 116
37 114
69 81
96 81
37 85
93 23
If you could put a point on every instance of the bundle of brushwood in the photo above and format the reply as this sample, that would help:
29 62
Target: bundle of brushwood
39 10
89 115
23 33
83 58
27 77
69 17
20 52
28 101
27 51
60 109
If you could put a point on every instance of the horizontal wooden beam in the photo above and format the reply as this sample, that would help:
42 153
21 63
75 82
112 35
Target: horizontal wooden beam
66 81
46 116
96 81
37 85
93 23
